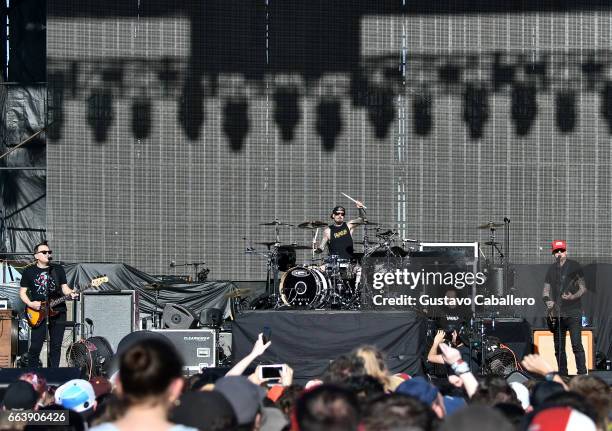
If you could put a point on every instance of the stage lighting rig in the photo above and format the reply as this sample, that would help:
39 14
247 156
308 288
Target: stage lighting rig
191 110
329 122
606 104
524 107
100 112
141 116
565 110
475 108
236 122
287 111
421 113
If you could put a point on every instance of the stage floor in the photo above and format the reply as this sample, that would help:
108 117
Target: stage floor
308 340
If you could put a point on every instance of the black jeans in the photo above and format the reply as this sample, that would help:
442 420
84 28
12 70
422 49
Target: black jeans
573 325
57 325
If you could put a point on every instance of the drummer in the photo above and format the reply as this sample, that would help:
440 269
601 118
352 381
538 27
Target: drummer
338 236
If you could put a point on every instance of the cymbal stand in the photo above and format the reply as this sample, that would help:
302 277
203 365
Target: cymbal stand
495 248
336 279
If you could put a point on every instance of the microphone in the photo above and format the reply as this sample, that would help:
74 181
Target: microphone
89 321
172 264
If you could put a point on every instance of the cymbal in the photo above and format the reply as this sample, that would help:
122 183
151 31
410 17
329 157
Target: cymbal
386 233
297 246
492 243
275 223
490 225
311 224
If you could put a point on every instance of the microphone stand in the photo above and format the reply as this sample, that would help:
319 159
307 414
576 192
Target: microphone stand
558 305
47 333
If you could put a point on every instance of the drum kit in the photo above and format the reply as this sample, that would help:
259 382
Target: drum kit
320 282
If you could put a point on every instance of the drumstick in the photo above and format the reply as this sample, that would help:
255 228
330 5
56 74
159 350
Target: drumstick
364 207
315 237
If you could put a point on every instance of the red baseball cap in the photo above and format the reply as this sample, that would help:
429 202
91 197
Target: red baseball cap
561 419
559 244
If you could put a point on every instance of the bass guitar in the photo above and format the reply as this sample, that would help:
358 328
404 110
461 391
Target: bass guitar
36 317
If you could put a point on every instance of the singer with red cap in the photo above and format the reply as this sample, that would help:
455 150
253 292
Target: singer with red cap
44 281
563 287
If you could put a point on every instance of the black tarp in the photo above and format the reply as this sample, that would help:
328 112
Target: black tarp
22 192
196 297
309 340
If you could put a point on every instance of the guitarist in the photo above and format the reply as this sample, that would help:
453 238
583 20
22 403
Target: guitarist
44 281
563 287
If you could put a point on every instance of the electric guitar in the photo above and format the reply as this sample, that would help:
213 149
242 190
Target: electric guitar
36 317
552 315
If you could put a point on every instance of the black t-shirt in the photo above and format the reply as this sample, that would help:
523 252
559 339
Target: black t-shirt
35 279
566 278
340 241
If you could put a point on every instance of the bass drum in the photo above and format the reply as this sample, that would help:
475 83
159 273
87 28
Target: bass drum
302 287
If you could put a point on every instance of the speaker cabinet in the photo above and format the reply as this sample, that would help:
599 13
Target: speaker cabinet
113 314
8 339
177 316
198 347
544 345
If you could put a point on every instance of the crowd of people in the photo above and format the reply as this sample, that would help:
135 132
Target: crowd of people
356 392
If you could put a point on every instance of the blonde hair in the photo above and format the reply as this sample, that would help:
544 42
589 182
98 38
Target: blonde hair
375 365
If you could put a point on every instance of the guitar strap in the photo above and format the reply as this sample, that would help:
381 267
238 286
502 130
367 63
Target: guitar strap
53 274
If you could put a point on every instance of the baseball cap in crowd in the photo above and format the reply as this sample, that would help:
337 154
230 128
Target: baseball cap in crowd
561 419
245 397
20 395
101 386
544 390
203 410
420 389
558 244
76 394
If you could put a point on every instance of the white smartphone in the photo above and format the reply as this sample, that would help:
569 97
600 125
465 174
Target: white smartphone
271 372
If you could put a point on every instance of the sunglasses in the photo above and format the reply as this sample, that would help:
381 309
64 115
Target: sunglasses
45 252
339 214
558 251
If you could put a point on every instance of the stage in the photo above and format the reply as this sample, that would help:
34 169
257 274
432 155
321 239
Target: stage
310 340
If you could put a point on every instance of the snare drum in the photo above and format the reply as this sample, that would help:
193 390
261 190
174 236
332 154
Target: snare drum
302 287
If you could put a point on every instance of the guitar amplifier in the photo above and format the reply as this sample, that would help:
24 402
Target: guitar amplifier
544 345
198 347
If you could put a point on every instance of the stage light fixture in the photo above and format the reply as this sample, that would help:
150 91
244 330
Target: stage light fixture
565 110
287 111
606 104
100 112
475 108
524 107
381 111
236 122
422 120
191 109
329 122
141 117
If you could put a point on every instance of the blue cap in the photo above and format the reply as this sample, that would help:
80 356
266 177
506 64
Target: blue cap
420 389
77 395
